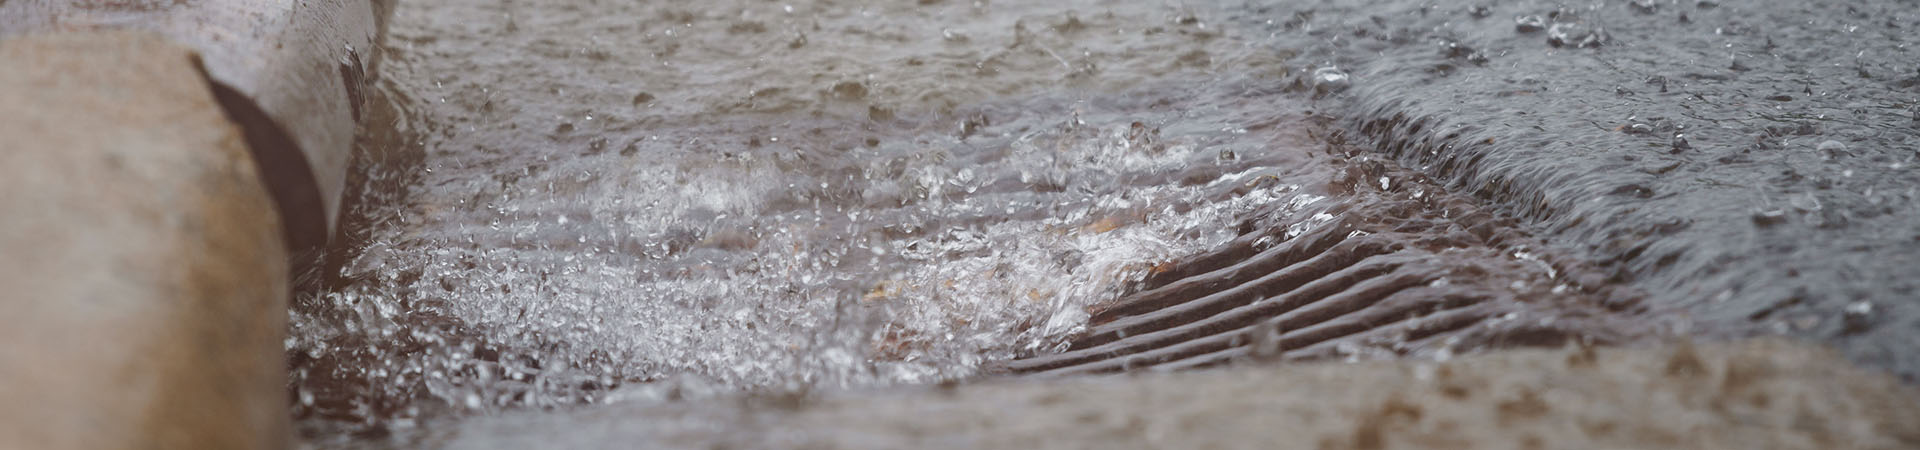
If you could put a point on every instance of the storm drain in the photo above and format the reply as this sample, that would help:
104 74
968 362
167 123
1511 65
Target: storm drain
1395 271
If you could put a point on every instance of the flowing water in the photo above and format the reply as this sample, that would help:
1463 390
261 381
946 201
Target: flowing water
586 200
572 202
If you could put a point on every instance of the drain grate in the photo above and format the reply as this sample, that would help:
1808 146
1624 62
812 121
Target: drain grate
1397 272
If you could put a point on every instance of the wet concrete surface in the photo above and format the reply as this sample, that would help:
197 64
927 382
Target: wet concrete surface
573 203
1750 163
1764 394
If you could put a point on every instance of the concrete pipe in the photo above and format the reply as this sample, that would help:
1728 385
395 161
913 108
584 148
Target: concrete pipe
158 160
291 74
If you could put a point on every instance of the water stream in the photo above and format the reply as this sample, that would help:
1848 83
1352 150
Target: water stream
572 202
595 201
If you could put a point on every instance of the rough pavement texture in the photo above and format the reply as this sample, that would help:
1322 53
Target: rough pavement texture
141 265
1748 164
1749 395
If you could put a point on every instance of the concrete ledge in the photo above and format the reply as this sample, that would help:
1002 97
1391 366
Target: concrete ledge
1744 395
142 271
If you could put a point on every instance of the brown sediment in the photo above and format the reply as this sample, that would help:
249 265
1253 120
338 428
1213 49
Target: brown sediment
143 269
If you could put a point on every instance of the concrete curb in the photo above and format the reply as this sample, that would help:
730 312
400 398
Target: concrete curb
1742 395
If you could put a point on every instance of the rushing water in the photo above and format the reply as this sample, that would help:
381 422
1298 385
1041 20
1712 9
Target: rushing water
589 201
574 202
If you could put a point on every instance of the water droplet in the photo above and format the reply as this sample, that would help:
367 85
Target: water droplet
1327 80
1575 34
1529 23
1831 146
1227 155
953 36
1858 316
1455 50
1806 202
1645 6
